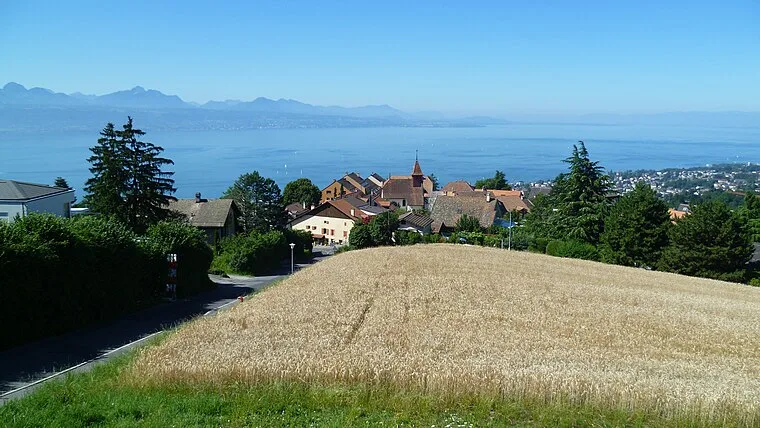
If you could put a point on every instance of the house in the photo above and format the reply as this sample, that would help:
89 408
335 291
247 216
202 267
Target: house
414 222
331 222
513 200
217 218
676 214
18 198
295 209
352 183
338 188
408 191
478 204
455 187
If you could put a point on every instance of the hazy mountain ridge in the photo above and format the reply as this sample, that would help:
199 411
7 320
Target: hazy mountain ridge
33 109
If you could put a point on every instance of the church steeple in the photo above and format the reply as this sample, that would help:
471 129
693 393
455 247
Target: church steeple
417 177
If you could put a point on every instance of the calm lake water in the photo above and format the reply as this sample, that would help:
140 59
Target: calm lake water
208 162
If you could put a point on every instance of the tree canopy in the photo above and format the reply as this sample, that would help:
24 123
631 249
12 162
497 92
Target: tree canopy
302 191
259 201
711 242
575 208
468 223
636 229
128 181
497 182
62 183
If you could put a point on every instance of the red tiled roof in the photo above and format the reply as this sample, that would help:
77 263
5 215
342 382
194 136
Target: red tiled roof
458 186
402 188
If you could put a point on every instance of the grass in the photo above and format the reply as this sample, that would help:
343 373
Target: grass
104 397
440 335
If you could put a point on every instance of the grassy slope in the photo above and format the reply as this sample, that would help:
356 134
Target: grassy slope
103 398
112 395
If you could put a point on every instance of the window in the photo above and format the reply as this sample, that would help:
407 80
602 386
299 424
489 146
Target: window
324 231
403 202
345 234
327 222
329 192
332 231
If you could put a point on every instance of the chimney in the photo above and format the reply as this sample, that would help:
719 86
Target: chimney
197 197
353 213
304 205
312 206
488 196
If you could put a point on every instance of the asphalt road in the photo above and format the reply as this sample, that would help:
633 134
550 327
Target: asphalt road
22 368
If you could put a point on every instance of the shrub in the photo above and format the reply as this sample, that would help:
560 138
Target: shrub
254 253
405 237
194 256
572 249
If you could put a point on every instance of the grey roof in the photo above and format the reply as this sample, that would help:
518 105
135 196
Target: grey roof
20 191
207 213
448 209
374 209
416 220
377 176
354 201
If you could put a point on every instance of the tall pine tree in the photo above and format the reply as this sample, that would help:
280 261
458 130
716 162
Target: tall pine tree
575 208
259 201
147 187
128 181
104 188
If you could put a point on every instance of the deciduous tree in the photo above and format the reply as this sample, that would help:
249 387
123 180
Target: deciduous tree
302 191
259 201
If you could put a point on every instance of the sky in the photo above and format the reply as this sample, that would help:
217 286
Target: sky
497 58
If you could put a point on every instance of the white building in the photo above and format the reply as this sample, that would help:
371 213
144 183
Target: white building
19 199
330 222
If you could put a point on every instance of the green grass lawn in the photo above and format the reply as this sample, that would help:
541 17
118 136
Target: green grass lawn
103 398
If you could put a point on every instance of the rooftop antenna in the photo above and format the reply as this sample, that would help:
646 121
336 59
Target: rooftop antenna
415 155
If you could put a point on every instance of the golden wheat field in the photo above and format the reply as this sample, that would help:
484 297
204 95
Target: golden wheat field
455 319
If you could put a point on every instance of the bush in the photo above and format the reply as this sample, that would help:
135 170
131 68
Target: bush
194 256
405 237
361 236
572 249
256 253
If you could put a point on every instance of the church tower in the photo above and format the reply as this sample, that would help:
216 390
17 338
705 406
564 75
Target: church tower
417 177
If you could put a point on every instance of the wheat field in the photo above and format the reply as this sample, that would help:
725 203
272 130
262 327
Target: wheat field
455 319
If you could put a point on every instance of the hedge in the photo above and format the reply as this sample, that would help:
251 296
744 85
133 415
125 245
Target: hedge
59 274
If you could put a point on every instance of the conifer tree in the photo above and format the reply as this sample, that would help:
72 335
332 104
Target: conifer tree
636 229
575 208
104 188
128 182
147 187
711 242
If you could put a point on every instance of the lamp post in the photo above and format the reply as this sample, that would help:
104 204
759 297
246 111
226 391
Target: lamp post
292 246
509 247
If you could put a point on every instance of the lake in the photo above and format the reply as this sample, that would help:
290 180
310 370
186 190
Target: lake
209 161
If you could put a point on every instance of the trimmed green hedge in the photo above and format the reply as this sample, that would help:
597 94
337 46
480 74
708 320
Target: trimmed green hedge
261 253
58 274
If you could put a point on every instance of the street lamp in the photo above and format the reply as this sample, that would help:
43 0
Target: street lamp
292 246
510 231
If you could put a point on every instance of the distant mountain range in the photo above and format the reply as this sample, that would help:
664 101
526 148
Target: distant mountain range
41 109
13 94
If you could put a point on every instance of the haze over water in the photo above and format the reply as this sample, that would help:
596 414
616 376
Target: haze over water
208 162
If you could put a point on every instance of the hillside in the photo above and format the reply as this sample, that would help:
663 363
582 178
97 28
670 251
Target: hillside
468 320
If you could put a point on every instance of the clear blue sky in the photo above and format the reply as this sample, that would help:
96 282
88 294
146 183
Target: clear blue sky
465 57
